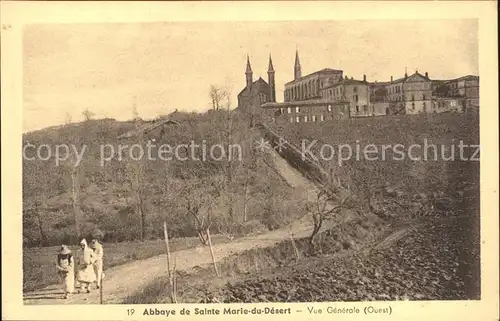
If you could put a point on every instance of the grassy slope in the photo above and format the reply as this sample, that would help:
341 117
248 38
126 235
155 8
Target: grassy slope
107 199
447 248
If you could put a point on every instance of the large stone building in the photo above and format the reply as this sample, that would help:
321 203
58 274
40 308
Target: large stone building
410 94
257 92
467 88
328 94
320 96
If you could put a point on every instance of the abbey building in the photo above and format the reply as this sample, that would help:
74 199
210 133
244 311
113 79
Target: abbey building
328 94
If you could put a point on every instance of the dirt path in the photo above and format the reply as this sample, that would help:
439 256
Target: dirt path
123 280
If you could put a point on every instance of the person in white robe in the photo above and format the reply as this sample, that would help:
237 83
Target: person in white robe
66 268
98 261
85 275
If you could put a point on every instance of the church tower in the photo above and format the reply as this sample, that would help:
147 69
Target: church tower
249 73
272 85
297 68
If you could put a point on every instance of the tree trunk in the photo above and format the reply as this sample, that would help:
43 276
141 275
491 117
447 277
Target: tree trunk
76 200
171 274
295 248
43 238
245 204
140 203
212 252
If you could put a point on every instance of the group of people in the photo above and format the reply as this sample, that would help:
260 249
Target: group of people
88 267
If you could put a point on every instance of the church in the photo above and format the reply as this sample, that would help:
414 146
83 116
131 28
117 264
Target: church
304 98
257 92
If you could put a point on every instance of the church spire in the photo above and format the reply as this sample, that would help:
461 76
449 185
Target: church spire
271 67
272 85
297 68
249 73
249 68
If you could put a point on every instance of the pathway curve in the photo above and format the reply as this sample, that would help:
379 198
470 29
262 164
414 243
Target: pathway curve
121 281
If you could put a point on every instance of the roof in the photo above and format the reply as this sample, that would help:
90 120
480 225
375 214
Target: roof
346 82
304 103
404 79
322 71
260 80
463 78
147 128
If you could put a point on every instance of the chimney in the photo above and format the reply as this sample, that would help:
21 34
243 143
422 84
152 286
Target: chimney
426 74
391 78
364 77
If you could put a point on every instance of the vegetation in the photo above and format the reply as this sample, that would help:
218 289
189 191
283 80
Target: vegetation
128 200
39 263
373 179
432 206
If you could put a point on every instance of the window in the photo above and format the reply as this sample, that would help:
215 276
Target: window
425 107
412 97
355 89
357 109
291 119
297 109
356 98
297 119
413 106
313 118
365 107
322 118
289 110
329 108
305 119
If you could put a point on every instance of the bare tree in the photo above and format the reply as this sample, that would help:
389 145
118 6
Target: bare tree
68 119
199 208
87 114
135 113
32 175
217 96
135 173
324 208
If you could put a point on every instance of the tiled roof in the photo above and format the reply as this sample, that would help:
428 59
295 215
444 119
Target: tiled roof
463 77
322 71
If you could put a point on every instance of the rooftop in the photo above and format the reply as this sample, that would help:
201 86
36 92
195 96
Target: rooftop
322 71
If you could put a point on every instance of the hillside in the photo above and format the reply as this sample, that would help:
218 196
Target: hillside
239 195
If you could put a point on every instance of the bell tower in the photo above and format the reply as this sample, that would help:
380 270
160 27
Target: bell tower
249 73
272 85
297 69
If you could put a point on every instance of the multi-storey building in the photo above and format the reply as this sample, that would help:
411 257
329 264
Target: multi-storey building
466 87
329 95
410 94
355 92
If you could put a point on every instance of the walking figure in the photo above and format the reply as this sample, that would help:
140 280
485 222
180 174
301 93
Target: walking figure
66 269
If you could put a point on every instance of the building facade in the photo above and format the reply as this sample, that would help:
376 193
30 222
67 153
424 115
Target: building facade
257 92
465 88
328 94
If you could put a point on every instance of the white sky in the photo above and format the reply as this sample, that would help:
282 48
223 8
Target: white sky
166 66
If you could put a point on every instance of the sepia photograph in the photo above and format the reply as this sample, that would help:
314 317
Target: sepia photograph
271 161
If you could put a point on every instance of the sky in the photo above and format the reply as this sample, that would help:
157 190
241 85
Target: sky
160 67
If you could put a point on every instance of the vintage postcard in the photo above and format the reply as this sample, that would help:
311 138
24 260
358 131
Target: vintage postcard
275 160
